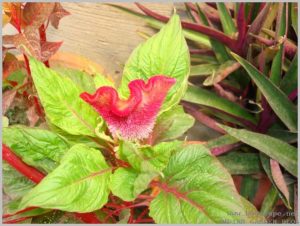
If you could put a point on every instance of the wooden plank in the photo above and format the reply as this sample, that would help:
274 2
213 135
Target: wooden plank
102 33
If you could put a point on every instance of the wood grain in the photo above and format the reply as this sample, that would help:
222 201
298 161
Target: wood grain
102 33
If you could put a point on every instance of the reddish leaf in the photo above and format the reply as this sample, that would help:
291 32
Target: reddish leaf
14 12
7 99
202 118
35 14
256 26
28 43
58 13
221 73
241 24
225 93
210 12
8 39
32 116
49 49
133 118
224 149
10 64
279 179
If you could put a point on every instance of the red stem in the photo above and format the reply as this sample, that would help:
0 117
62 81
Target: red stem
27 65
43 38
28 171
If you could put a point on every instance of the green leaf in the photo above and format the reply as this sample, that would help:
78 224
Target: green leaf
249 187
219 49
78 184
101 80
128 183
187 198
294 16
17 76
290 80
203 69
221 72
221 141
276 68
60 99
75 139
254 217
82 79
284 135
238 163
12 208
204 97
165 53
284 153
172 124
226 19
15 185
39 148
147 158
147 162
122 183
279 102
269 201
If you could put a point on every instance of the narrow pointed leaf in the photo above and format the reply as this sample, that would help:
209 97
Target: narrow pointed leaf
219 49
203 69
223 71
276 68
284 153
265 161
269 201
241 163
204 97
226 19
279 179
279 102
79 184
290 80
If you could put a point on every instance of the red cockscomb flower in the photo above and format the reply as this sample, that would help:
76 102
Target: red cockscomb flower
133 118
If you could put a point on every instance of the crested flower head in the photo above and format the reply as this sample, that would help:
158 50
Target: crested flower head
133 118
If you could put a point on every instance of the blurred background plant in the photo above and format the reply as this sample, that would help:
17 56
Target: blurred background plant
20 102
244 74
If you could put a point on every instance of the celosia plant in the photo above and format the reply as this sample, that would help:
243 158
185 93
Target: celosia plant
108 154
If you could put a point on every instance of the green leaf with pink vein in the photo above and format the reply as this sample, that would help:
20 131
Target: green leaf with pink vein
196 189
78 184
